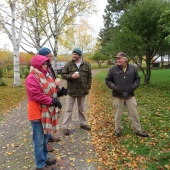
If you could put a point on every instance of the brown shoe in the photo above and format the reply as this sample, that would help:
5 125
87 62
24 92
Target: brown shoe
54 139
45 168
49 148
66 132
85 127
51 161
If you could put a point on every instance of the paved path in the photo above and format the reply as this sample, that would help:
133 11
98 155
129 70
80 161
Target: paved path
74 152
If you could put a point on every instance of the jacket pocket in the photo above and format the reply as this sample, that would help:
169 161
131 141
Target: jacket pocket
85 88
129 88
72 70
119 89
84 72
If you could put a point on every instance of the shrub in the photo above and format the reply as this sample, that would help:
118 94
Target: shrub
2 83
9 67
1 72
26 73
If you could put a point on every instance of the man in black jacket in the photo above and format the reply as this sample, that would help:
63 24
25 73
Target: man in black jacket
123 79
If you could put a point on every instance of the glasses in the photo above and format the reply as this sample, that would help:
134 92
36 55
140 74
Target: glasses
45 63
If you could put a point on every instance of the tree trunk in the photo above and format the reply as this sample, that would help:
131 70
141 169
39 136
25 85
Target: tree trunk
16 68
148 70
55 52
140 61
16 39
162 62
15 46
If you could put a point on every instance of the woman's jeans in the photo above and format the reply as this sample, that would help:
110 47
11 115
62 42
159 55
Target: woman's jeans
50 136
40 141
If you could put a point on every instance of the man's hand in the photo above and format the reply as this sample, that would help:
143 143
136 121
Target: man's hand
75 76
61 92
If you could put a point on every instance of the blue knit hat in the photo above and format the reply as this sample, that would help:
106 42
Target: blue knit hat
77 51
44 51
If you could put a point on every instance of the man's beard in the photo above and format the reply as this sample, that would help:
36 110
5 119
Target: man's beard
76 59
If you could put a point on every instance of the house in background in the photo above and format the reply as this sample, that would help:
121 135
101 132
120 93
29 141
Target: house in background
164 61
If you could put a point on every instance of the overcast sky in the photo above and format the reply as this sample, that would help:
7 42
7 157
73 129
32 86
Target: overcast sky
96 21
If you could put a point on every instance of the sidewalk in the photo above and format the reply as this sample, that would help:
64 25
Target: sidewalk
74 152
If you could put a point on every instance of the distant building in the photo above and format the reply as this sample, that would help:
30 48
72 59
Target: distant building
164 60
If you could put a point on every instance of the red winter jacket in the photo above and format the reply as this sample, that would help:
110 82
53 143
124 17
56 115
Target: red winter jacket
35 93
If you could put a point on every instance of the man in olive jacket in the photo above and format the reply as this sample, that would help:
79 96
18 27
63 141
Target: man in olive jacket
79 78
123 79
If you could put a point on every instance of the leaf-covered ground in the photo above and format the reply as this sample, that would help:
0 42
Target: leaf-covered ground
130 151
74 152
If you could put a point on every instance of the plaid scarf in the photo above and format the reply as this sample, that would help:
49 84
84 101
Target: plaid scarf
50 114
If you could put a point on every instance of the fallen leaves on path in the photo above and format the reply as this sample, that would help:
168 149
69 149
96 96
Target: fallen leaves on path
112 154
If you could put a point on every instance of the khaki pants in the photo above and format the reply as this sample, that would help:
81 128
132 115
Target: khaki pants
131 107
69 109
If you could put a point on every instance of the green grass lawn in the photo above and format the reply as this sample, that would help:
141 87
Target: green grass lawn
130 151
95 66
10 96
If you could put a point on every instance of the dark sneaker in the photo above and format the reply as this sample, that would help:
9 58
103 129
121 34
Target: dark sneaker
142 134
66 132
49 148
85 127
45 168
117 134
51 161
54 139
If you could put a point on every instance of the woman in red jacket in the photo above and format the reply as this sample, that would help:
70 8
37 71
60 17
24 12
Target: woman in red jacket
43 109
